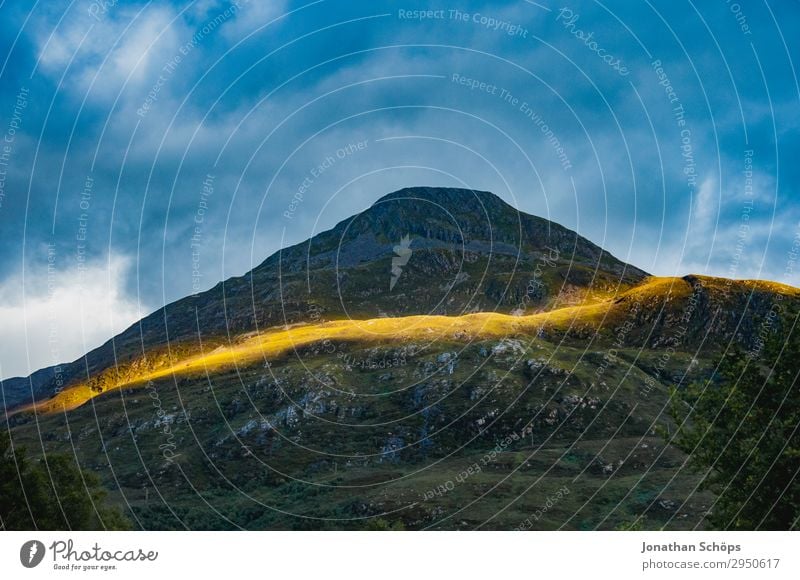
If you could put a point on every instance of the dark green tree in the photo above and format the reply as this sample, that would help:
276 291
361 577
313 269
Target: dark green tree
741 429
56 496
382 525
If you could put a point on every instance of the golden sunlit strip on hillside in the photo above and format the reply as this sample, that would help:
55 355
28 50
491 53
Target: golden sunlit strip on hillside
429 328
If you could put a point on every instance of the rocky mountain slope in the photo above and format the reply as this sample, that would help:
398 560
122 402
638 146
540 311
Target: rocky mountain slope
468 251
439 361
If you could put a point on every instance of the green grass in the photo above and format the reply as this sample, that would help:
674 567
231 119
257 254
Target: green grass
325 473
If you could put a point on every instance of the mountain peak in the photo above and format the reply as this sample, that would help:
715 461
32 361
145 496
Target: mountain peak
473 205
445 196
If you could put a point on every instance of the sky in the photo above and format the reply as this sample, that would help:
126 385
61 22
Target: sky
152 149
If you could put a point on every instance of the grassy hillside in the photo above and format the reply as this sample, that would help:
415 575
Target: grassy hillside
490 420
683 302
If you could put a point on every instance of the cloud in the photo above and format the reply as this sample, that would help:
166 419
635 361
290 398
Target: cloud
705 205
52 316
254 15
104 52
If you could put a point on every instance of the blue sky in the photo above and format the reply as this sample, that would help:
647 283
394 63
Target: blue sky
152 149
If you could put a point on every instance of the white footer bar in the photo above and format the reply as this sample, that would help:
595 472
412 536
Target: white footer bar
399 555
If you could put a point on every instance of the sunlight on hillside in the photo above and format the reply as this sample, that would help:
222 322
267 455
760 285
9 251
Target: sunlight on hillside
271 344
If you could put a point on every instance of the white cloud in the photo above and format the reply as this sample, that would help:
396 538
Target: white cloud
55 317
125 48
690 252
121 45
705 205
252 15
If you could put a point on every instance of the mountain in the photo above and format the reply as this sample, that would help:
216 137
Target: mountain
439 360
481 252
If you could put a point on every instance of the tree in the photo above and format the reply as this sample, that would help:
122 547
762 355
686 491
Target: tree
741 429
62 497
382 525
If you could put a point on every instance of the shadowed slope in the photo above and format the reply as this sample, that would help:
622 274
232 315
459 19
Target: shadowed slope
688 301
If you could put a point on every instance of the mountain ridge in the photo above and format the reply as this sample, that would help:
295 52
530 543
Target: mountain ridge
363 242
468 327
